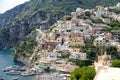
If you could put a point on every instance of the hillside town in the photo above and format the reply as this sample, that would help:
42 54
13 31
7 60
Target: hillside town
84 35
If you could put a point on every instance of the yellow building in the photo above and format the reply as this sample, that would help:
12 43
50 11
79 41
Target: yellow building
77 41
76 49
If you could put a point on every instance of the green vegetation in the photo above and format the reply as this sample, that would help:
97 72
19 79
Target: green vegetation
98 20
51 28
65 56
116 10
83 73
26 47
111 50
104 16
87 13
82 17
81 63
91 53
68 30
10 15
94 51
90 49
106 30
115 25
116 63
119 38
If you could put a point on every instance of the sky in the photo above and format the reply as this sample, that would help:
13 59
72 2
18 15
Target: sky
9 4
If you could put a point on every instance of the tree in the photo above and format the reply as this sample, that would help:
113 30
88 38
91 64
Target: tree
82 17
83 73
65 56
91 54
116 10
119 38
81 63
98 20
87 13
115 25
116 63
111 50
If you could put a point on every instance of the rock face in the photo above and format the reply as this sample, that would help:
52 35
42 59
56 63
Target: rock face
8 16
22 59
10 36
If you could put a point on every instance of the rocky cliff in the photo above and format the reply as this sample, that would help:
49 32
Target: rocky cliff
9 15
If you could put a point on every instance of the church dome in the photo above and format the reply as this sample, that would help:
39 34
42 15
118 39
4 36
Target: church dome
105 57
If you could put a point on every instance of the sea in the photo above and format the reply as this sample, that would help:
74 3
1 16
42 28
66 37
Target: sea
6 60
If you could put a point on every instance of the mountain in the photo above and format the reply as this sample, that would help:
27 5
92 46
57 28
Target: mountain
9 15
25 18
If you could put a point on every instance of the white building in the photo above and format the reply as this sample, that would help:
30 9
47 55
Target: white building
100 41
118 5
87 36
79 10
78 55
109 73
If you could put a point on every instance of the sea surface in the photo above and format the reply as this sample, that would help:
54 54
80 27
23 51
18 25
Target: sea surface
6 60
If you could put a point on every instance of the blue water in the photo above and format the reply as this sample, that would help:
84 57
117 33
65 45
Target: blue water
6 60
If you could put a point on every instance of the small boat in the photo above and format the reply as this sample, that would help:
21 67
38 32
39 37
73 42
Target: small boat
7 69
22 69
27 73
38 71
13 72
15 79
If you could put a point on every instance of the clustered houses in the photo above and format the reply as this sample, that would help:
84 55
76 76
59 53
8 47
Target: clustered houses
116 16
67 36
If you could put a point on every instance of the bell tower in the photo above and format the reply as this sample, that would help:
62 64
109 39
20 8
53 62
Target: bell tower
103 62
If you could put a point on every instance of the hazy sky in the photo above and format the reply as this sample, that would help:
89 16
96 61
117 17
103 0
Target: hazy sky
9 4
